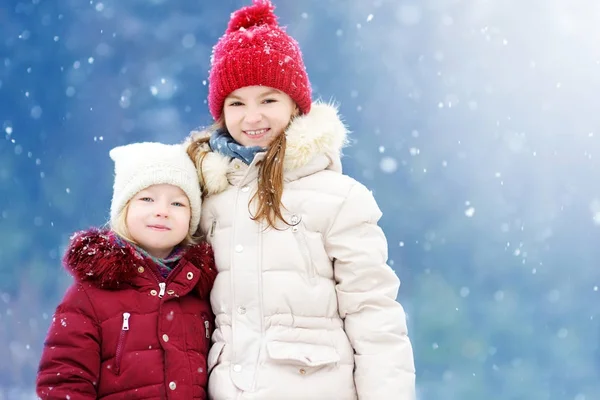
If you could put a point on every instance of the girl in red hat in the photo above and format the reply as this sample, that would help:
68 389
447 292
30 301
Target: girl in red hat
305 304
136 322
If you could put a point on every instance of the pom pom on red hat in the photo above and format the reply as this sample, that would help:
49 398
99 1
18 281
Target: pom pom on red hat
260 13
256 51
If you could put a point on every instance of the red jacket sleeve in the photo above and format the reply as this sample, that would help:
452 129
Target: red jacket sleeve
70 364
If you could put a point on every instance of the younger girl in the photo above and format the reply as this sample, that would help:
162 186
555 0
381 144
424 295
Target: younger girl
305 304
136 323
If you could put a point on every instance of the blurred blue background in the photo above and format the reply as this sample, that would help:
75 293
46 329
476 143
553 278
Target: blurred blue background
475 123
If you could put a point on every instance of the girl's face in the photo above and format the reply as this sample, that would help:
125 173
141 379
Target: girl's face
158 218
256 115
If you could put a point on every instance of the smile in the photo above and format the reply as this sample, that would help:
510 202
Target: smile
159 228
257 132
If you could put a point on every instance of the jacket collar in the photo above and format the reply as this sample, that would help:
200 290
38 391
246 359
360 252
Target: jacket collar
96 256
314 142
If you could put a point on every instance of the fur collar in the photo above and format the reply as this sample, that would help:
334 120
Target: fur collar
321 132
95 256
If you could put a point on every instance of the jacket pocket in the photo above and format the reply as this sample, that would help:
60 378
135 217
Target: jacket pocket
214 355
312 356
121 342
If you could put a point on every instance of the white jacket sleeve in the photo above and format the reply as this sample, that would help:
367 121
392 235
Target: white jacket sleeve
366 289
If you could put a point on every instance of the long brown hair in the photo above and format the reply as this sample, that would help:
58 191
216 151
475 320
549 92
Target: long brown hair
270 184
197 154
270 176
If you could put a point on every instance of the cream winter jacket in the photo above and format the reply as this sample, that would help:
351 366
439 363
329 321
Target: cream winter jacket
308 311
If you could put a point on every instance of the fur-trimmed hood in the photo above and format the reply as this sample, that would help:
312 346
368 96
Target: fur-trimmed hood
95 256
314 142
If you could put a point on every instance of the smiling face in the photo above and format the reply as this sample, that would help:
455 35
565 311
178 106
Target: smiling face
255 115
158 219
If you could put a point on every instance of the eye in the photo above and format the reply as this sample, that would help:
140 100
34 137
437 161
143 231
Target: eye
236 104
146 199
178 204
268 101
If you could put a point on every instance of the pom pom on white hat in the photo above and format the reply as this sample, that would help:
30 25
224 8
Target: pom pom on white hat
141 165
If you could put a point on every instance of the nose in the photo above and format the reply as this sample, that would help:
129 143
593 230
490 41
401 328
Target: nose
161 210
253 115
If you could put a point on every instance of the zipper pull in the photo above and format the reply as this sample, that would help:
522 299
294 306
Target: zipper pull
162 286
212 228
126 316
207 329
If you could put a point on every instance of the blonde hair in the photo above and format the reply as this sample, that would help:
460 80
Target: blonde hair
119 226
270 174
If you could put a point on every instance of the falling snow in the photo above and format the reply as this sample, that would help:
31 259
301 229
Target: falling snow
443 103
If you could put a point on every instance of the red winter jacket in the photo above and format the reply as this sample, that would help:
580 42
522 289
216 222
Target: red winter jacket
124 332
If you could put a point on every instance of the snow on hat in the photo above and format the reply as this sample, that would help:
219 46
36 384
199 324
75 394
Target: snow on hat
141 165
255 50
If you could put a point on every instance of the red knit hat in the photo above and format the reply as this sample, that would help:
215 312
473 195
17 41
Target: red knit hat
255 50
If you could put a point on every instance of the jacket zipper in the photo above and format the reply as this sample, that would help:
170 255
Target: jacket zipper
212 228
301 238
206 326
121 343
162 285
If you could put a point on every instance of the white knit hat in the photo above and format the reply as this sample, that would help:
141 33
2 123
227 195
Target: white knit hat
140 165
